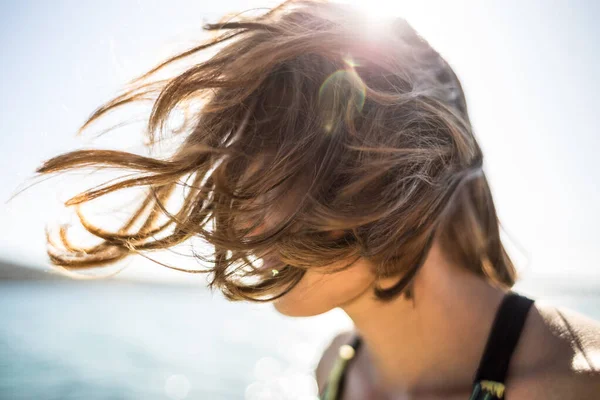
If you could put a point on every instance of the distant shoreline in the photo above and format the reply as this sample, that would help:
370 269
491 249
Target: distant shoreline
537 284
13 271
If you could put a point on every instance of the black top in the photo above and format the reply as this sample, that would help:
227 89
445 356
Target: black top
493 368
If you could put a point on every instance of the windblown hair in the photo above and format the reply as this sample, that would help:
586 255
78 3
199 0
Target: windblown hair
317 142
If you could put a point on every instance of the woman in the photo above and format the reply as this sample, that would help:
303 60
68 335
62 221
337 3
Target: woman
331 166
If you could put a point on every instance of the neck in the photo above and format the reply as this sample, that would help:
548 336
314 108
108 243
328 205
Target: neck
435 340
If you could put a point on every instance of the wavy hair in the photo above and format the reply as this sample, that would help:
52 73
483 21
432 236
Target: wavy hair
316 142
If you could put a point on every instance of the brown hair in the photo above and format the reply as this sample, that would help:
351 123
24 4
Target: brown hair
315 142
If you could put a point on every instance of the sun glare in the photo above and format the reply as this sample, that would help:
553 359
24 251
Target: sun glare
377 9
428 17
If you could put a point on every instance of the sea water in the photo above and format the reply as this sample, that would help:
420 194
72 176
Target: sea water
72 340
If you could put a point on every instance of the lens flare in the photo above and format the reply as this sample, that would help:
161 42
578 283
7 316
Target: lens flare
341 92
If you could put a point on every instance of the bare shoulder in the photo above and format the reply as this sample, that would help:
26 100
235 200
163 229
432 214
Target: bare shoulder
580 333
562 348
329 356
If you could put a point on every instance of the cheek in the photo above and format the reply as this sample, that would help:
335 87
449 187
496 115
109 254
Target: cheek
317 292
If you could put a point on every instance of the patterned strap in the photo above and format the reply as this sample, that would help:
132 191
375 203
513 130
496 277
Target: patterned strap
335 383
487 390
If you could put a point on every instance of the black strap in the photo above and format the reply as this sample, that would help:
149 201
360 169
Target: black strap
503 338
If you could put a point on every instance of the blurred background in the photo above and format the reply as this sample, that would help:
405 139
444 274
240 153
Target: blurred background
529 70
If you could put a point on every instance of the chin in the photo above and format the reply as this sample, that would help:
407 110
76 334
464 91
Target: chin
291 307
309 297
317 293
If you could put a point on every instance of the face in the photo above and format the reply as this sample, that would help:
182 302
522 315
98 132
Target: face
321 290
318 291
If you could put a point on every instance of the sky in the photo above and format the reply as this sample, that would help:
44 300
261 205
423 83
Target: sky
528 68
